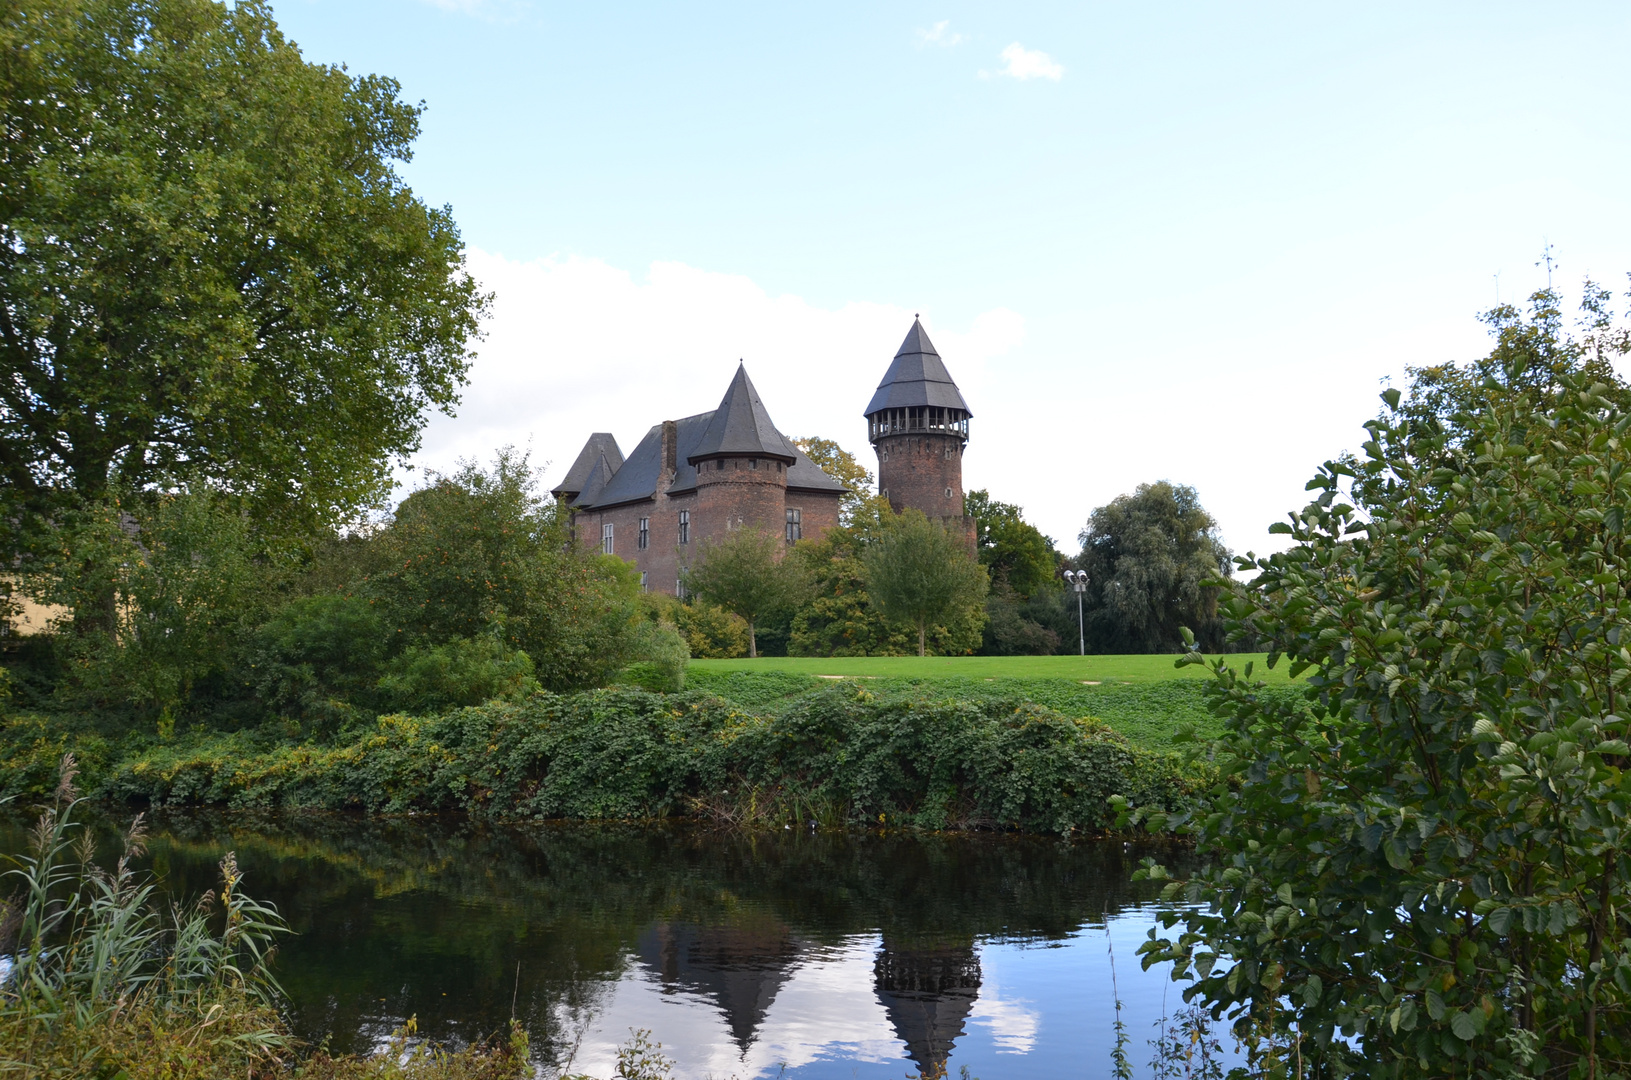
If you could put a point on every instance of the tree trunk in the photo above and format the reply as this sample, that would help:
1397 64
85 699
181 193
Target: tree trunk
920 636
753 642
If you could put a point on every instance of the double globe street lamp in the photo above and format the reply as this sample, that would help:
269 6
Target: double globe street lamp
1077 579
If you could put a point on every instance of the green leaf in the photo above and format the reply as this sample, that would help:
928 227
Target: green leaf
1391 396
1465 1028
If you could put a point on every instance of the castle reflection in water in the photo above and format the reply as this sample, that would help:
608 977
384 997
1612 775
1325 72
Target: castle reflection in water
927 988
834 955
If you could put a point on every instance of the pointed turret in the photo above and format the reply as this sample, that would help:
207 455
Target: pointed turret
917 379
918 422
741 427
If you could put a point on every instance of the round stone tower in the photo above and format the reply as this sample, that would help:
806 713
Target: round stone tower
918 423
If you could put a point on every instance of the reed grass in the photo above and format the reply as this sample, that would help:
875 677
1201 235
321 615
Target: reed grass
102 981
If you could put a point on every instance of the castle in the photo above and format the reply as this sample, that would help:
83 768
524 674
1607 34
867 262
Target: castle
693 480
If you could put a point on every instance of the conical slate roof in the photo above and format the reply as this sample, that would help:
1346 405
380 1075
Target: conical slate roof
602 444
917 377
742 426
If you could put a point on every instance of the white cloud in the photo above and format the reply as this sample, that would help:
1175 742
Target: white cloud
575 345
496 11
1022 63
938 35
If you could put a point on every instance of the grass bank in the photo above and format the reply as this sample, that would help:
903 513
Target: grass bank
1082 669
839 755
1148 713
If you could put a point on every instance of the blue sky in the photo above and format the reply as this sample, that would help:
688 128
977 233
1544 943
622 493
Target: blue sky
1188 246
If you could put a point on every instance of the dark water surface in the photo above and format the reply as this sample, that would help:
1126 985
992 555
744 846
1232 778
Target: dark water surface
817 955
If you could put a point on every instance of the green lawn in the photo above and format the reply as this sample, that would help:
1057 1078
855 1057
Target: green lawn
1082 669
1143 697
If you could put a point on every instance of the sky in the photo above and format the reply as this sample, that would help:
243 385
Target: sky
1181 242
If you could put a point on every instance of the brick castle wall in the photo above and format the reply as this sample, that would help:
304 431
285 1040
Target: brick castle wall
731 493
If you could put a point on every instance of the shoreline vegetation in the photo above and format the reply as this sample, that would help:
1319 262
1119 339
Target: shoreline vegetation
735 749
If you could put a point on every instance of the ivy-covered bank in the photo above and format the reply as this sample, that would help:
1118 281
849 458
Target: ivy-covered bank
840 756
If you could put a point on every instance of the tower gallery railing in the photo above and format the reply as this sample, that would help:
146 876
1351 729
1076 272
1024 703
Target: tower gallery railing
923 418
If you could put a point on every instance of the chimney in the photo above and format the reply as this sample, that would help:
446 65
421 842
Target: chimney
670 447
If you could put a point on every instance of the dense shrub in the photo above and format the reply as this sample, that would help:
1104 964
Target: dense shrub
839 756
461 671
1419 870
483 552
317 656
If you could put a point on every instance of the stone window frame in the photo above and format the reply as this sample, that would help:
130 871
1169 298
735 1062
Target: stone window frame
608 539
685 526
645 534
794 529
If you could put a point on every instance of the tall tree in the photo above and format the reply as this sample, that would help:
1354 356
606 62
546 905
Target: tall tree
210 269
920 575
1148 557
747 575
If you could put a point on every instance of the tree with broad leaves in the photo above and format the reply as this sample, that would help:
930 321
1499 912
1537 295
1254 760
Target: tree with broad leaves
747 575
210 270
921 575
1419 870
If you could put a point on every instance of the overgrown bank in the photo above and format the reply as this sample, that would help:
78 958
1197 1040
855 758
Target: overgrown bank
838 756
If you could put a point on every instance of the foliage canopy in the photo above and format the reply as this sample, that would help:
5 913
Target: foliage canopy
1149 557
921 575
209 267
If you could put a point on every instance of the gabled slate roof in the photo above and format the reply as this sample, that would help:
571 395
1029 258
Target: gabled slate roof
917 377
602 444
637 479
741 425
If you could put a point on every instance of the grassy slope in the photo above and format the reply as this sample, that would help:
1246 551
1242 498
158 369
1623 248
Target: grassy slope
1102 669
1143 697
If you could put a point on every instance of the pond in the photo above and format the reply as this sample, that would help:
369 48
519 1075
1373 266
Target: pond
745 954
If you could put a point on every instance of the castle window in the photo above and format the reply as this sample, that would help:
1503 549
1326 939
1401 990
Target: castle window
685 526
795 526
643 586
645 534
679 588
948 493
753 463
606 539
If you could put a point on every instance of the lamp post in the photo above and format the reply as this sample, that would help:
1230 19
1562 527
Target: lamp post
1078 582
